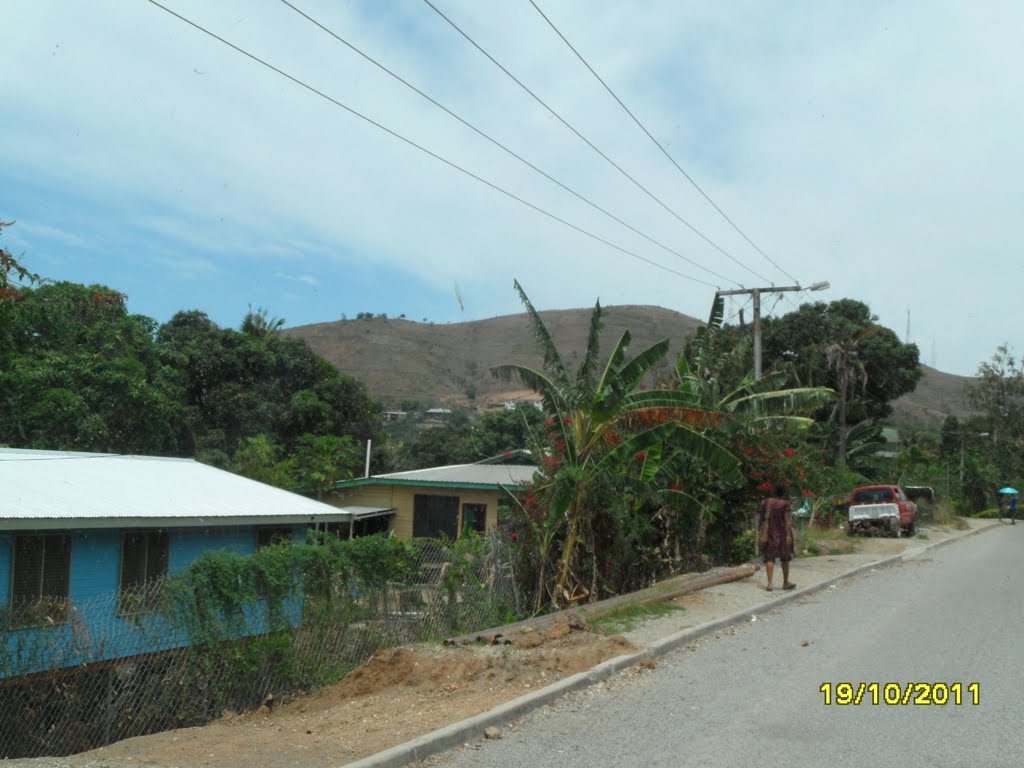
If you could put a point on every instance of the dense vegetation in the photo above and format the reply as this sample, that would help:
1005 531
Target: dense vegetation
639 475
79 372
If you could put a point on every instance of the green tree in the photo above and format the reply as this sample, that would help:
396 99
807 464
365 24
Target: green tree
258 323
800 342
80 373
241 385
998 393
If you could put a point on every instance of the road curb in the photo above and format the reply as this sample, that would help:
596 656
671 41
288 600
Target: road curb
472 728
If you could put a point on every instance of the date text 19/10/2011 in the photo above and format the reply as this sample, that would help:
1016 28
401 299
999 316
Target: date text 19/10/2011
901 694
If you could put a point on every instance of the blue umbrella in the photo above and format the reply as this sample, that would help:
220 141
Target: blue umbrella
1008 489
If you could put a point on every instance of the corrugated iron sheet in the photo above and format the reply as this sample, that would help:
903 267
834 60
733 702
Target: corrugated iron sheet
55 485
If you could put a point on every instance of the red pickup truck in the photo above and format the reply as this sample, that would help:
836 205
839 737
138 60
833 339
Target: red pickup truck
883 508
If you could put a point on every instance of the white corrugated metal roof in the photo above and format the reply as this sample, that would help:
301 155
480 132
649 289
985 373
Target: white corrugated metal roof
361 513
467 474
49 489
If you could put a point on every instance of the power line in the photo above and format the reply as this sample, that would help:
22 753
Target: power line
659 146
501 146
590 144
421 148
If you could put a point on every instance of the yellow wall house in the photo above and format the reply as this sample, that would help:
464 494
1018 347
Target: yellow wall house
436 502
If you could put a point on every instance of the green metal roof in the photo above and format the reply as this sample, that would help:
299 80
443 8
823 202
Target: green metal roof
487 476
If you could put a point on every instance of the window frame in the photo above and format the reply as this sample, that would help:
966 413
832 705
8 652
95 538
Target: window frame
480 523
130 600
35 613
436 500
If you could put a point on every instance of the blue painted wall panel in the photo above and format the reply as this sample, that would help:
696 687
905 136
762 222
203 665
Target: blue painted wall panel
5 569
94 584
95 564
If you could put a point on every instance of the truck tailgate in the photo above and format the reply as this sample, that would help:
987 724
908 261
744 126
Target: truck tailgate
874 511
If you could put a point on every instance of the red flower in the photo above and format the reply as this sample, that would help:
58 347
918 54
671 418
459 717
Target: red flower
675 487
749 451
508 452
808 494
764 487
514 537
548 422
757 475
98 297
789 452
567 420
641 455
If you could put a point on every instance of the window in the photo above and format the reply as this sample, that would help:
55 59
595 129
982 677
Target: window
474 517
435 517
872 496
144 556
40 573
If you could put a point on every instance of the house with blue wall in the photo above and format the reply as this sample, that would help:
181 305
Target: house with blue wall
81 534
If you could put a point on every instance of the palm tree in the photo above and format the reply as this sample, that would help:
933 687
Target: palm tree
258 323
843 356
604 422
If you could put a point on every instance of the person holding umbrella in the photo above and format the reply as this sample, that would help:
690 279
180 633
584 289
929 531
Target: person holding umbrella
1011 505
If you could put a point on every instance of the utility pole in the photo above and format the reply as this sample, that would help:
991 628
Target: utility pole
755 294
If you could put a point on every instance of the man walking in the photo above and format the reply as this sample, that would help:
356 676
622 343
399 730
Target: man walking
1013 509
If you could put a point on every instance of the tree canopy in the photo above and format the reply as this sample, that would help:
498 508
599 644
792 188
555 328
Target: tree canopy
79 372
821 344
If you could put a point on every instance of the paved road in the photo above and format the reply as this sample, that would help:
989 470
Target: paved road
752 697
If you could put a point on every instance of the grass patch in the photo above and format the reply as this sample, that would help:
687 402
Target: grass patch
814 542
625 619
922 535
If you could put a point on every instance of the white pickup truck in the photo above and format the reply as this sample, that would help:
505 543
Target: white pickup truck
883 508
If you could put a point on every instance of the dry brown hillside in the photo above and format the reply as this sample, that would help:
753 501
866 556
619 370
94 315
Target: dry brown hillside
937 395
399 359
443 364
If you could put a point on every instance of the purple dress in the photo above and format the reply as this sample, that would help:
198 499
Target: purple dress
779 545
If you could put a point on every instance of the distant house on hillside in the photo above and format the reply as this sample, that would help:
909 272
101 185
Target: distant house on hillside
511 405
440 501
83 534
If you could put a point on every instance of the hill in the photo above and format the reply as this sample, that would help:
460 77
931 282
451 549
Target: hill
449 364
937 396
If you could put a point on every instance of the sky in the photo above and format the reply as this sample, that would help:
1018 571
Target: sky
874 145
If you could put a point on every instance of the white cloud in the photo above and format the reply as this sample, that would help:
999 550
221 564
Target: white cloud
873 145
309 280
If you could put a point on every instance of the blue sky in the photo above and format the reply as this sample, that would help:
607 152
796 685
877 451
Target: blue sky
874 145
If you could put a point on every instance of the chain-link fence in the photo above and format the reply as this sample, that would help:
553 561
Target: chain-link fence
81 675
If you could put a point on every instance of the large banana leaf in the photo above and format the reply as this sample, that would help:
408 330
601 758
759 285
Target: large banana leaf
585 375
609 387
784 402
552 360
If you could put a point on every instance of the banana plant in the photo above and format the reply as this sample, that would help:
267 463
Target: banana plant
603 422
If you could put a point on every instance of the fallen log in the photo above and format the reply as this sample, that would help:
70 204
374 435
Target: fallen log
581 615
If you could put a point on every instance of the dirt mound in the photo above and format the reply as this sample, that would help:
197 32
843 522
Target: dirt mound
397 695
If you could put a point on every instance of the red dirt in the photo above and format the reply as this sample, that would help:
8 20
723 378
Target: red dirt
397 695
